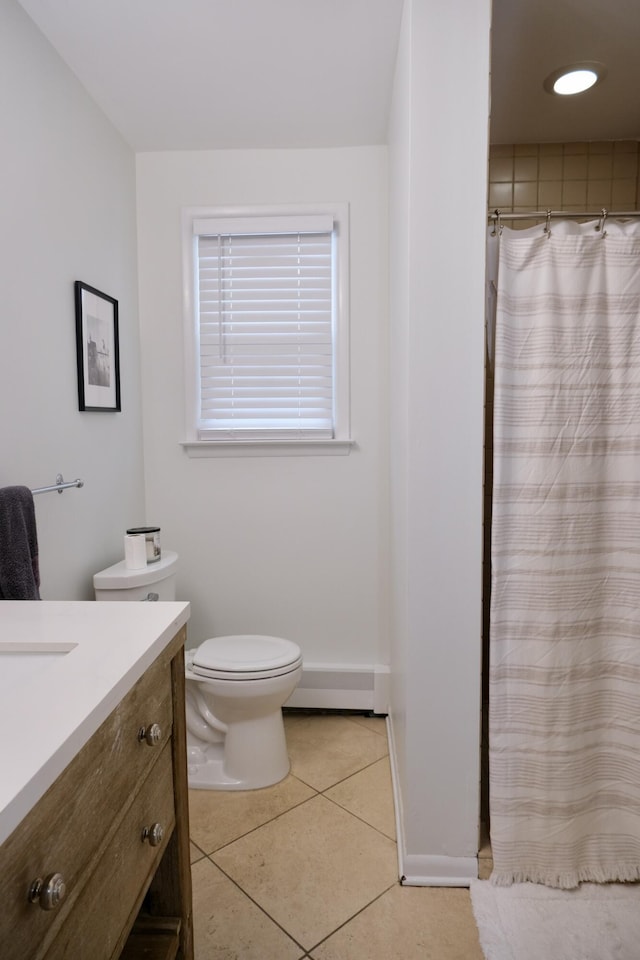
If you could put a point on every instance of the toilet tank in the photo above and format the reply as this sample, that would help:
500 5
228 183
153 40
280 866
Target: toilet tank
118 582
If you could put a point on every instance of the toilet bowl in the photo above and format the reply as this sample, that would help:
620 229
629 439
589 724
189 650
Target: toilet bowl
235 689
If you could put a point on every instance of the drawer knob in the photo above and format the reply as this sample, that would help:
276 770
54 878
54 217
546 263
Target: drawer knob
151 734
153 834
48 893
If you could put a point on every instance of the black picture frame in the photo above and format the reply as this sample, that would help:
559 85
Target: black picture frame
97 349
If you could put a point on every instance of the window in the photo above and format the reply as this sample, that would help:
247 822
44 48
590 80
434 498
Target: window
267 325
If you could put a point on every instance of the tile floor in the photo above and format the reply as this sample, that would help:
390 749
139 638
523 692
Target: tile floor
308 868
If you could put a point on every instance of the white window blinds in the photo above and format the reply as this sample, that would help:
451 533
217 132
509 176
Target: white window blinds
266 327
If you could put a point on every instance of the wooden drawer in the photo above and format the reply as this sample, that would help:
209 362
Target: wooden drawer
109 900
69 828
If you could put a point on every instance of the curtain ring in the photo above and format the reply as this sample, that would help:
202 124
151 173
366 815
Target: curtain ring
601 223
547 226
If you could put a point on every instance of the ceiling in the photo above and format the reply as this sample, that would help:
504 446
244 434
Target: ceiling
207 74
204 74
532 38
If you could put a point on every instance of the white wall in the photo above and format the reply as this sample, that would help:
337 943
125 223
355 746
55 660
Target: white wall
67 213
293 546
438 163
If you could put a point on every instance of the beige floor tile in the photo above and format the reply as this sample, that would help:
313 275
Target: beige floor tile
485 863
374 724
219 816
369 795
408 923
311 869
196 854
326 749
228 926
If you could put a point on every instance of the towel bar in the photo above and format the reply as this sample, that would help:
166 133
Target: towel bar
59 485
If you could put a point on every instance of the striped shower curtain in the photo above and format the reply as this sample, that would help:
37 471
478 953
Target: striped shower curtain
564 714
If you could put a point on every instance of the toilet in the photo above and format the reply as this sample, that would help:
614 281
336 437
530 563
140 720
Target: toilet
235 689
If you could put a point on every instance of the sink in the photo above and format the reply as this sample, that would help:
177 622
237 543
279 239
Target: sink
19 661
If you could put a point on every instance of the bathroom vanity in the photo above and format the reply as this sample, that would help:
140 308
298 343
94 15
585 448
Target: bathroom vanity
94 846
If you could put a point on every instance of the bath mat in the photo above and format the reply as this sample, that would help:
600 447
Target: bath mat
528 921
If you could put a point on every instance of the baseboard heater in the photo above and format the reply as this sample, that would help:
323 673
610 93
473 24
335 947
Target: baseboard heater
342 687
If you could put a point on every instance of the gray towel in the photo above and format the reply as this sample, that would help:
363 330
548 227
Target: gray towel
19 571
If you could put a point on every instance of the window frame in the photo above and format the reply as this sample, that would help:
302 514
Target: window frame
341 441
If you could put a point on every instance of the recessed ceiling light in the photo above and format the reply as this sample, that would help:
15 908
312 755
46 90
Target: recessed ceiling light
575 82
575 78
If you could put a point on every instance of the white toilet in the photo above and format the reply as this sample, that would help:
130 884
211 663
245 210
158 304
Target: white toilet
235 689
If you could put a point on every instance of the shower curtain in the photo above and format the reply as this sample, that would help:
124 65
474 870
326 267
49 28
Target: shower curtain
564 714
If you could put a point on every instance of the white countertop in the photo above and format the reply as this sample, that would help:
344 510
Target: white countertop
89 656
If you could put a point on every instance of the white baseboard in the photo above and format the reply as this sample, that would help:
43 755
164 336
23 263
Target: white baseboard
381 689
330 686
424 870
397 796
430 871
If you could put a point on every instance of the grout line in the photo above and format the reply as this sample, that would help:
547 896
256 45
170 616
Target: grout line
248 833
322 791
354 774
284 930
317 793
356 817
306 953
367 726
198 859
356 914
255 903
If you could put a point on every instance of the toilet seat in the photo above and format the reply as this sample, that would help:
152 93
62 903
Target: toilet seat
244 657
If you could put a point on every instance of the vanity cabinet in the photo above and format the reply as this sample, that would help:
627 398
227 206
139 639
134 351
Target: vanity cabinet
99 868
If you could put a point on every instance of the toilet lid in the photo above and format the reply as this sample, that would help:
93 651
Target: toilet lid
246 657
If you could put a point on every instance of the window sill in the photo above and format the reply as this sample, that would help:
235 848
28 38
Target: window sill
267 448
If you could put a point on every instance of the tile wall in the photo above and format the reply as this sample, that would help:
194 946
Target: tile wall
564 176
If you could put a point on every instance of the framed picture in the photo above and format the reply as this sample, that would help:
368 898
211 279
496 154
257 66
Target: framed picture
97 349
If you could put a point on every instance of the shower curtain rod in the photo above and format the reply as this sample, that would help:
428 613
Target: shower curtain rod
496 216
